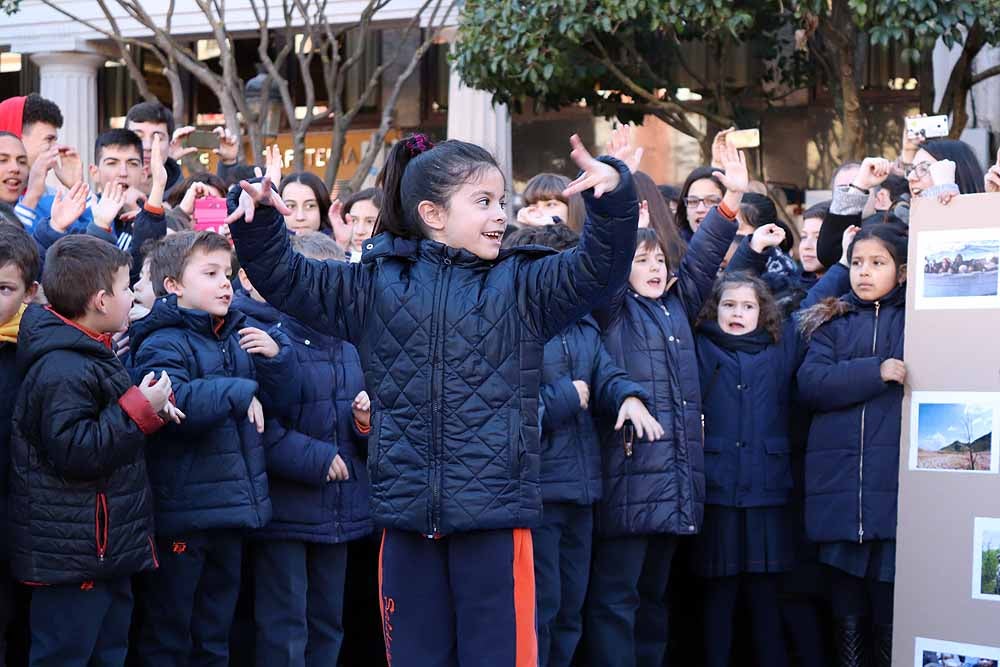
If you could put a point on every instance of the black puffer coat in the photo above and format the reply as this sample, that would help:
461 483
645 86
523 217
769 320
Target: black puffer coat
80 504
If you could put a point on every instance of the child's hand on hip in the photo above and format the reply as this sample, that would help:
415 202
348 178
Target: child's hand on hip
256 341
362 409
635 411
338 470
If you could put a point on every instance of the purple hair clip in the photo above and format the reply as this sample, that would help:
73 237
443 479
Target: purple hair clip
417 144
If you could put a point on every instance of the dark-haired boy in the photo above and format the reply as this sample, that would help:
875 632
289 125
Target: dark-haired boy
19 265
80 504
117 198
209 473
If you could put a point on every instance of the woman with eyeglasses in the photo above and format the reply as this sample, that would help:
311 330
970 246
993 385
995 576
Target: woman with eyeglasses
701 192
940 168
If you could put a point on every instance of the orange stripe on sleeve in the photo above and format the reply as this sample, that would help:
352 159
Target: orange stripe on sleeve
524 599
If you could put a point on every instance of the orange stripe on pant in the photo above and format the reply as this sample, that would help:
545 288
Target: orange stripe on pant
524 599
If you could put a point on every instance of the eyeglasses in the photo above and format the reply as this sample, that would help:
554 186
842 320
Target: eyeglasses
709 201
918 170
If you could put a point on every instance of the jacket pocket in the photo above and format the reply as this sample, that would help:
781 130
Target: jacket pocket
514 449
102 527
778 464
715 463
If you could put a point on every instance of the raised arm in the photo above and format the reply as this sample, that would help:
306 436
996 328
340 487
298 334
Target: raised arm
330 295
555 291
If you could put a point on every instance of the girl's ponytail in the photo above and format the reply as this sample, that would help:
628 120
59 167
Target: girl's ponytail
392 216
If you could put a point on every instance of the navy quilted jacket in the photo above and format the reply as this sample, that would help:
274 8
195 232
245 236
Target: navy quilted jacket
452 351
661 487
852 460
80 502
10 380
571 451
209 471
319 425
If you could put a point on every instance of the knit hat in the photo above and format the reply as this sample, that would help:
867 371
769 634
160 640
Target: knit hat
12 115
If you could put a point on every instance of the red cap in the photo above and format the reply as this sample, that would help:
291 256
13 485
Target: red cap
12 115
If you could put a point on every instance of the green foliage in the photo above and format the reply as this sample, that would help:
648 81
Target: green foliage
10 6
991 562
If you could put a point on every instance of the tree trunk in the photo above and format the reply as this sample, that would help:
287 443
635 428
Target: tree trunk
852 145
339 140
299 145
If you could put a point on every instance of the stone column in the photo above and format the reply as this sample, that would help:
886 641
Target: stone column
69 79
473 117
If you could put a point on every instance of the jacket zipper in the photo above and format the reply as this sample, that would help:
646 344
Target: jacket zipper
101 521
861 453
579 450
437 383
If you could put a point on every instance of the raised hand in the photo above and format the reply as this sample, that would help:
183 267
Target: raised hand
68 206
634 410
107 207
343 229
196 191
45 161
719 145
69 166
873 172
767 236
942 172
229 146
735 176
644 213
261 194
157 174
597 175
993 176
620 146
845 242
177 149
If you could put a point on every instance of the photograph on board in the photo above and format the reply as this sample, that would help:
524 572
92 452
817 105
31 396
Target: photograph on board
936 653
986 560
954 431
958 269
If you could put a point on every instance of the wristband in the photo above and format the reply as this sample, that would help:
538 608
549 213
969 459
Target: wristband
861 190
724 210
155 210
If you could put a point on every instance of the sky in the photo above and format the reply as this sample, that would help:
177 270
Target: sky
941 424
967 249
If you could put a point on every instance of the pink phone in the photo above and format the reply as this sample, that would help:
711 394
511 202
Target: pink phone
209 213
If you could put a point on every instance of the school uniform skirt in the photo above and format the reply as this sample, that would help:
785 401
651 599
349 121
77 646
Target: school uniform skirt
734 540
868 560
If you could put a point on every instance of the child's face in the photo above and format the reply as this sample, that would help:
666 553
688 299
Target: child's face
873 273
708 193
649 272
13 169
474 219
807 245
739 310
554 208
305 215
14 292
362 218
144 295
117 306
205 285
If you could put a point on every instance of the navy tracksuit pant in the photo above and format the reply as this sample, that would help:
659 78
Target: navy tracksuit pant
461 600
299 603
188 604
562 545
626 616
81 625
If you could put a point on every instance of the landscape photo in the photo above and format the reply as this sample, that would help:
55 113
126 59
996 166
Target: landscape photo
986 560
959 269
955 436
935 653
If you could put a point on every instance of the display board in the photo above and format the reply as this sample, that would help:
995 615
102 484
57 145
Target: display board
947 584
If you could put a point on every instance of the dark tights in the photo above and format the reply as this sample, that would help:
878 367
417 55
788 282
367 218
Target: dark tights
761 594
855 596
